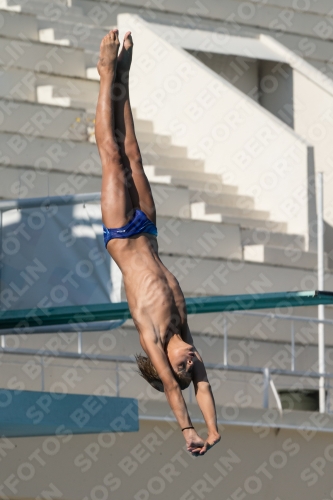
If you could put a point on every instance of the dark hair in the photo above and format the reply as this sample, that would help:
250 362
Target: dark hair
149 373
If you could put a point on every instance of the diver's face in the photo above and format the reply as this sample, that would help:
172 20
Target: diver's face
182 358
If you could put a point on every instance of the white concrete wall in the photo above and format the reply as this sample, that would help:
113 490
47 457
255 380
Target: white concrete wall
314 121
234 135
152 464
311 110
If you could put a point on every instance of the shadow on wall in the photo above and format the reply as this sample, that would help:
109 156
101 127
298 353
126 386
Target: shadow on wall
269 83
328 243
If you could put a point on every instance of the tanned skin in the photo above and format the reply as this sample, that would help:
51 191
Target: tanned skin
154 296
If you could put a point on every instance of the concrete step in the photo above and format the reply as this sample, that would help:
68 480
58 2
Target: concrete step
199 239
211 187
261 224
51 11
159 149
185 174
21 84
92 56
49 154
213 277
223 199
77 36
74 92
48 35
18 84
151 138
199 185
77 92
5 5
21 182
171 163
145 139
145 126
286 257
236 212
267 238
92 73
66 92
229 210
22 150
63 4
198 211
156 146
24 24
87 37
45 95
193 180
103 14
34 119
42 57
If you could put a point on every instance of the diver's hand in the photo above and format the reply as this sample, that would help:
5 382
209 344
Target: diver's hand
211 440
194 443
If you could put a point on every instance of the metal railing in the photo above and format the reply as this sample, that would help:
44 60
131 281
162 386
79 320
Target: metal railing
268 373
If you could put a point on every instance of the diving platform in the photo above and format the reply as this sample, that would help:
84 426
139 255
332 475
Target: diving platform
21 319
34 413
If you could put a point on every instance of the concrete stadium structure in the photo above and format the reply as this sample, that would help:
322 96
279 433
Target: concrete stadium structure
233 111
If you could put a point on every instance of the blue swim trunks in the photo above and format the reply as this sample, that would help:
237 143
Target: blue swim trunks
139 224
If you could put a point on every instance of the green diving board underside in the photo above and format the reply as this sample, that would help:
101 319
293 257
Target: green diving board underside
23 318
32 413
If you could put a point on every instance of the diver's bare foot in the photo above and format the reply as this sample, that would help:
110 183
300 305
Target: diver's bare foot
108 54
125 56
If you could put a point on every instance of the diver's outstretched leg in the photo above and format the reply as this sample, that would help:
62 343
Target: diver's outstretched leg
138 184
116 202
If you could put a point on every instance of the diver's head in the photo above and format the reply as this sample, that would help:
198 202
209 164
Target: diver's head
181 366
181 359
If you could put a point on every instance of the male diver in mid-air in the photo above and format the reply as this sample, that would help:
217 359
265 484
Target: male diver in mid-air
155 299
